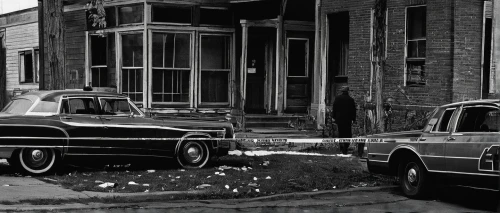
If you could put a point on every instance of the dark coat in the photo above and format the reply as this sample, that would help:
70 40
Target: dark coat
344 109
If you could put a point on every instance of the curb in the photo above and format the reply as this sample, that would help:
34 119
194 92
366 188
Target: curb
175 203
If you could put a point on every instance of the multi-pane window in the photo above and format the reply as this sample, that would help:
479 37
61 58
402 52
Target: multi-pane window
416 44
132 67
171 14
215 68
28 66
298 53
171 67
102 60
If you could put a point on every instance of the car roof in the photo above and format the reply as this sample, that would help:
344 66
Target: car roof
53 95
482 101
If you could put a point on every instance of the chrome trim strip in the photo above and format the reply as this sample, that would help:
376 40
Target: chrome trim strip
69 154
494 190
18 146
137 126
464 173
377 154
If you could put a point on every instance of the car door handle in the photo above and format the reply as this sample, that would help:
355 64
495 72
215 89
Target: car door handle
423 139
67 118
108 119
95 117
450 138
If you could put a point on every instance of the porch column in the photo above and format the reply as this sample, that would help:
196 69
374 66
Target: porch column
319 77
243 69
280 66
495 44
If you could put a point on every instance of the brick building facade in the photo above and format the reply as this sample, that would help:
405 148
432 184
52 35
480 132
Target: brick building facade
435 50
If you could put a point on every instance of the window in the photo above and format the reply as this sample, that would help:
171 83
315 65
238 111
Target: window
298 54
171 67
130 14
171 14
216 16
131 76
28 66
17 106
445 120
416 45
78 106
478 119
114 106
102 60
215 68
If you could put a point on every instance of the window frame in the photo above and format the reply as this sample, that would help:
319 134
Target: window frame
59 109
117 11
230 69
150 13
414 60
435 129
151 68
35 64
90 60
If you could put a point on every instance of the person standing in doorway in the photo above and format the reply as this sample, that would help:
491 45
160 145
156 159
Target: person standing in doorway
344 113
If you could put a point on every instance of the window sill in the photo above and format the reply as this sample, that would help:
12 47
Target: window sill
416 84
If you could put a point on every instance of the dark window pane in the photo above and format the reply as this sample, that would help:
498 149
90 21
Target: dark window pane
132 83
157 81
28 67
130 14
421 48
416 22
138 80
158 50
412 49
171 14
171 85
297 57
132 50
214 86
169 50
182 50
445 120
125 81
215 52
99 77
99 49
216 17
110 16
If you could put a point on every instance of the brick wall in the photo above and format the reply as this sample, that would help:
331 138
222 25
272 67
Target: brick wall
467 50
453 60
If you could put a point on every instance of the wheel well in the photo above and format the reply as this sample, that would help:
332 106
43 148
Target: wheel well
397 157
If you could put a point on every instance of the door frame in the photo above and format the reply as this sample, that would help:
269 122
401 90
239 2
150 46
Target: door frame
285 85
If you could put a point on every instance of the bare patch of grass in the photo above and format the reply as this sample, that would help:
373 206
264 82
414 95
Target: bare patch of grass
231 177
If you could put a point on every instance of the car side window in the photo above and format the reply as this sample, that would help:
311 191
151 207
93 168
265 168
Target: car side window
478 119
117 106
445 120
78 106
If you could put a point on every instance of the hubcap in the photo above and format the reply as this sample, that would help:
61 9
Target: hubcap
412 176
37 155
193 152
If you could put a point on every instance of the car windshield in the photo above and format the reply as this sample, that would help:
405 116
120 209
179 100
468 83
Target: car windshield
18 106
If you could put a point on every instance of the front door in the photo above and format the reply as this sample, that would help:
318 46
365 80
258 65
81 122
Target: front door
472 149
256 74
297 88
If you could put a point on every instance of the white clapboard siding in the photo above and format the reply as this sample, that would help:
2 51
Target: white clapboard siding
19 38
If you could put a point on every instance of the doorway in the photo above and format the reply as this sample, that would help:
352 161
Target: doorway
260 59
338 54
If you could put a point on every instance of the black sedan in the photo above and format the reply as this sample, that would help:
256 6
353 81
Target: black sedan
38 130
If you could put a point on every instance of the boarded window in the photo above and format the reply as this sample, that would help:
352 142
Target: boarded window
102 60
416 33
215 68
215 16
131 78
28 66
130 14
171 67
171 14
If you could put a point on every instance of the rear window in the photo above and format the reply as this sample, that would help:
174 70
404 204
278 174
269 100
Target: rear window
17 106
46 106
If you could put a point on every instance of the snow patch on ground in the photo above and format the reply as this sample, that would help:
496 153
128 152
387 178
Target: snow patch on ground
265 152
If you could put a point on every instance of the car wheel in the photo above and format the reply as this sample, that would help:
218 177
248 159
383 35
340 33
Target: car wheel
37 161
413 178
193 154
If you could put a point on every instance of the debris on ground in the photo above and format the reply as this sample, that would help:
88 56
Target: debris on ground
49 179
268 178
227 186
151 171
132 183
108 184
202 186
